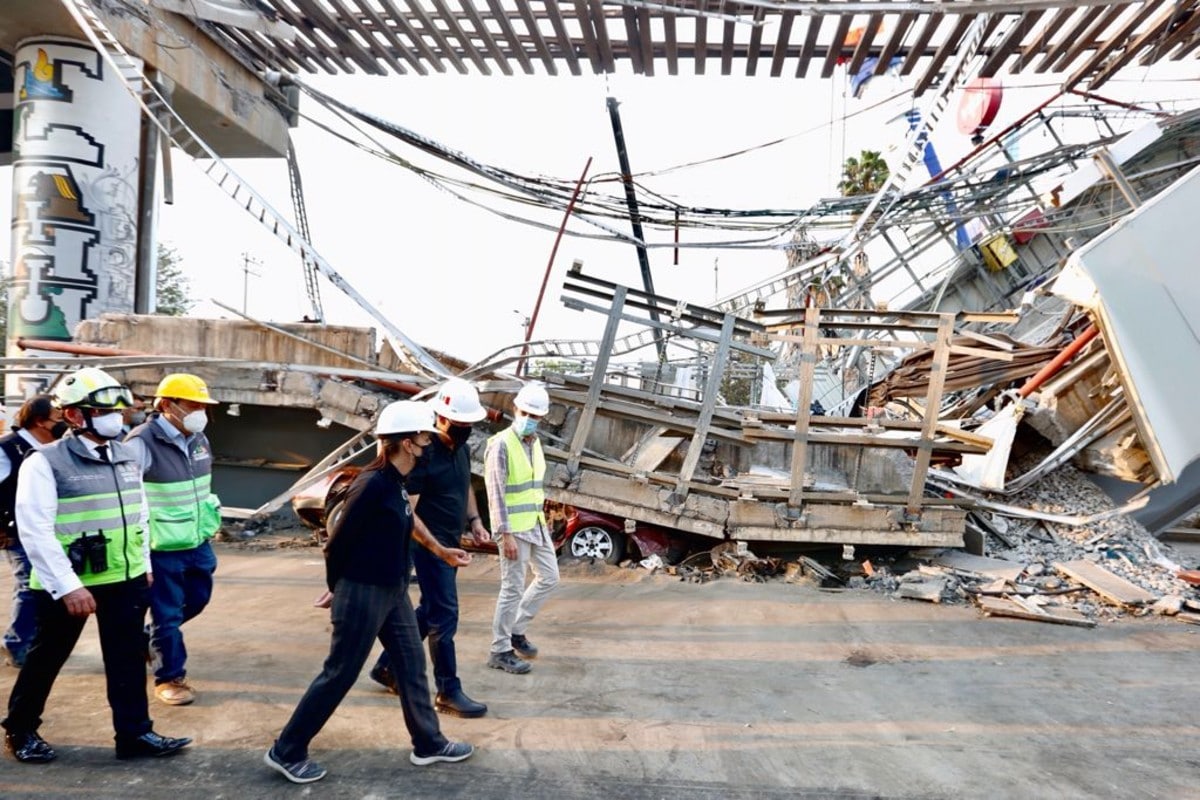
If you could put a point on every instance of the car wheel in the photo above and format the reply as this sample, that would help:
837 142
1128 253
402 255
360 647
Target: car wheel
596 542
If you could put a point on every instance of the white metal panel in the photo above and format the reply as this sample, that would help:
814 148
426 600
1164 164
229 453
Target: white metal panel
1141 279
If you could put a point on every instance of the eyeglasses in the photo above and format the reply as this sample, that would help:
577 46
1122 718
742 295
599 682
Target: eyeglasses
108 397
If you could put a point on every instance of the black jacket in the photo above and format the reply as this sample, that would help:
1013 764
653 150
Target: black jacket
370 541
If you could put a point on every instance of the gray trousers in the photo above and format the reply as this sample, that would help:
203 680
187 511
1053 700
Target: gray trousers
360 614
515 608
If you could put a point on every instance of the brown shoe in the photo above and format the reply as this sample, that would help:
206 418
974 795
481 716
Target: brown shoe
175 692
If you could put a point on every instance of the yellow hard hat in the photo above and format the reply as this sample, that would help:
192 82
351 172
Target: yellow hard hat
182 386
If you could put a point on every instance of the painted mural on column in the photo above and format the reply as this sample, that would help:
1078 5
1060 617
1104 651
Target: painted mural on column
75 200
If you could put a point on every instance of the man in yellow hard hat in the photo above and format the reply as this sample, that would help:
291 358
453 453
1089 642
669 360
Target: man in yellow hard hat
176 461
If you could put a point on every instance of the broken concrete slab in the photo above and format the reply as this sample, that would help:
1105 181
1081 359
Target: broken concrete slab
979 565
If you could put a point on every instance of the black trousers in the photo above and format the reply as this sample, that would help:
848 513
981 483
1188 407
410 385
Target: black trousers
361 613
120 616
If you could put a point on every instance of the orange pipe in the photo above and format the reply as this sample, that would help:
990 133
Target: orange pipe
1057 362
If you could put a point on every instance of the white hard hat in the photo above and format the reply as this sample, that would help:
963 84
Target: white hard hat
458 401
92 387
533 399
405 416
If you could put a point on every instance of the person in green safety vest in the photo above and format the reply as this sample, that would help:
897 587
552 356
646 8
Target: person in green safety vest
82 516
513 471
176 460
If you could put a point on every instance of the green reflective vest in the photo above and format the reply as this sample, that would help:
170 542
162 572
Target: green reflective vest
98 497
184 513
523 493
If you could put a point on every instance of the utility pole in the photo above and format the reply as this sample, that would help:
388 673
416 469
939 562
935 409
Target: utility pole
247 260
636 221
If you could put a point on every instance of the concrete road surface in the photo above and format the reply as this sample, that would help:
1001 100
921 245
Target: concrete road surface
648 687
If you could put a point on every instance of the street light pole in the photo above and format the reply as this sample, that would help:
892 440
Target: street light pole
247 260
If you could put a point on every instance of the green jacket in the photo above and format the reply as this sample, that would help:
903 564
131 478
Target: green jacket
184 513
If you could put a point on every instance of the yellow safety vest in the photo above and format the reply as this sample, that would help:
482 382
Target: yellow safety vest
523 493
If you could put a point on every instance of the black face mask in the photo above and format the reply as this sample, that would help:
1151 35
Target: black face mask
60 428
459 434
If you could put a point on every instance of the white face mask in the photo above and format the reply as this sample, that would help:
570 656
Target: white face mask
195 422
108 426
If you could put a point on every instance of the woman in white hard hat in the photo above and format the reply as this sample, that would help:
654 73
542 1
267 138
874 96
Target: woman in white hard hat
367 562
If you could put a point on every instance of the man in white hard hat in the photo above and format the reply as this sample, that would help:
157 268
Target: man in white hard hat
513 471
439 488
82 516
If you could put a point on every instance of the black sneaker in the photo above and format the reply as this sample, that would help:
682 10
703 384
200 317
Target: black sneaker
29 748
381 674
451 751
509 662
523 647
297 771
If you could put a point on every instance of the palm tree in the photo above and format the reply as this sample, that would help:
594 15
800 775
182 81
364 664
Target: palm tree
863 175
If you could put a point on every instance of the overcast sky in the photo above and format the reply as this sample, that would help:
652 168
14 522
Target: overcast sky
455 277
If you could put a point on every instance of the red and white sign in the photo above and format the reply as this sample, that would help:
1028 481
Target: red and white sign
980 102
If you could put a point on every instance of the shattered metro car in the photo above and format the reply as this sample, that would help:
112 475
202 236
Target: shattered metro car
576 532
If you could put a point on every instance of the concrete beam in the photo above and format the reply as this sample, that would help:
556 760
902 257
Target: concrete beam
221 100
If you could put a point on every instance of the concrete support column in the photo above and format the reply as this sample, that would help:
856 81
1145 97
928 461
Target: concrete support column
76 184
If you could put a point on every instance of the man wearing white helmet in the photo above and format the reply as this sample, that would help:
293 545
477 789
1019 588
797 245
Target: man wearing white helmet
367 561
439 488
82 516
513 471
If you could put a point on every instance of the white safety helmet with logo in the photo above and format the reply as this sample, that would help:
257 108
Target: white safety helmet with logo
92 388
458 401
405 416
533 399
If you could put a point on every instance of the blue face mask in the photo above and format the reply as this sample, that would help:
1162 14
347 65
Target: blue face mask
525 426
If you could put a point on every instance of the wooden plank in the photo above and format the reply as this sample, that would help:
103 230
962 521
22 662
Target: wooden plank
782 41
980 565
648 455
305 28
1004 607
1069 38
1150 37
933 399
566 47
835 46
597 17
489 42
645 41
863 48
917 51
712 388
727 47
672 41
377 48
1120 39
1040 43
455 28
701 52
418 41
903 23
810 45
808 358
929 590
510 33
535 35
948 46
1111 587
1087 40
900 538
583 15
335 30
386 31
754 50
1011 41
584 426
